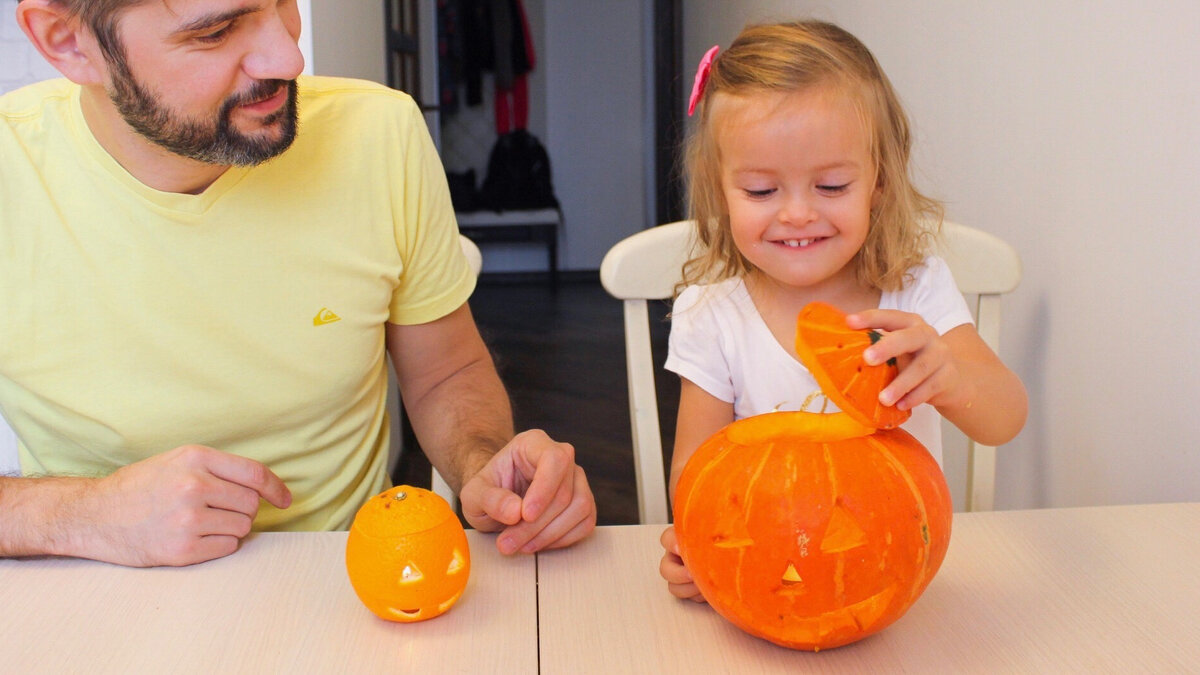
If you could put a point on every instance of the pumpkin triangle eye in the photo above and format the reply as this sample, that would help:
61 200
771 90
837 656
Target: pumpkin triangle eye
456 563
843 533
411 574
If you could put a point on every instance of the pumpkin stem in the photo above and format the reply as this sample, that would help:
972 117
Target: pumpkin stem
808 401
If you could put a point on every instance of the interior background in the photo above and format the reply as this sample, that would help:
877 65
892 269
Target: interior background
1070 130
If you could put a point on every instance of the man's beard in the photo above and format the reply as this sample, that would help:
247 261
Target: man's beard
213 141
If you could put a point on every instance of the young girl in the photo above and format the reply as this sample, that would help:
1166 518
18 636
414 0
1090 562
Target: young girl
800 188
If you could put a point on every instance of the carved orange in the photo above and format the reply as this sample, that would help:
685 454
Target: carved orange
407 555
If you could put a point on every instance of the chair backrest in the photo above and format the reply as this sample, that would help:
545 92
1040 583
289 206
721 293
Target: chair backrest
647 266
984 267
10 465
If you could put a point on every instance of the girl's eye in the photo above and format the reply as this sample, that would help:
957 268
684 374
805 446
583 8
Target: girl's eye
759 194
833 189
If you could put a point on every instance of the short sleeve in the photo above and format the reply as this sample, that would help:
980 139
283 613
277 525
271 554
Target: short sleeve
694 347
435 279
933 294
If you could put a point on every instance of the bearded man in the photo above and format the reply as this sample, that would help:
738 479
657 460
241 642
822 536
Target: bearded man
204 259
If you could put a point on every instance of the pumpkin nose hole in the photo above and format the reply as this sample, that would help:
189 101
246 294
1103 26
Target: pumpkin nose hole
790 576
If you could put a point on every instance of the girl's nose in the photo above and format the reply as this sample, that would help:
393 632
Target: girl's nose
276 54
796 209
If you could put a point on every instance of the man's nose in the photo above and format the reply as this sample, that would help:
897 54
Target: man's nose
276 54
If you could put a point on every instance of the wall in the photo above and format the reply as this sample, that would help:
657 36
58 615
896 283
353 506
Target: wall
595 60
1072 132
20 63
348 39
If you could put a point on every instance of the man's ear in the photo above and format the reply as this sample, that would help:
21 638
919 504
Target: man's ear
62 40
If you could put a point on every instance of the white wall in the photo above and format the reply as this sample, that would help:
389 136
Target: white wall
1073 131
20 63
348 39
596 115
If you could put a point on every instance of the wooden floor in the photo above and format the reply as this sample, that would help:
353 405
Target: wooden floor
562 356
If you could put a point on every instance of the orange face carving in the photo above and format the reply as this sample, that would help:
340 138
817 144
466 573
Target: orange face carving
815 530
807 537
407 555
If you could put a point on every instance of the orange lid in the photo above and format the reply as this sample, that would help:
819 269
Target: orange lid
833 353
400 511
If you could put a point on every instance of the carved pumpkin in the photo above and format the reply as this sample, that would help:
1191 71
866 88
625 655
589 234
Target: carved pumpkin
407 555
814 530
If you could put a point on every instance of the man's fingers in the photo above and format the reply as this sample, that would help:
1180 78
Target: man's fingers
570 517
497 506
251 474
552 465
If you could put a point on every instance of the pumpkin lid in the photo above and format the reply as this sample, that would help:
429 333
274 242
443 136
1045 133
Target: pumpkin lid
833 353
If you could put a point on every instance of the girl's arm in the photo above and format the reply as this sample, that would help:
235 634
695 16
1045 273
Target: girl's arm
700 415
957 373
991 406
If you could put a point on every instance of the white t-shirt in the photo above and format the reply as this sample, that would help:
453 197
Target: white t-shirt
721 343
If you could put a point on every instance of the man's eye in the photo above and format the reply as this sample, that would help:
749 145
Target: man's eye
215 36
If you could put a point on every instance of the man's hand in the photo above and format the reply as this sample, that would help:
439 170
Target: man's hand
533 491
184 506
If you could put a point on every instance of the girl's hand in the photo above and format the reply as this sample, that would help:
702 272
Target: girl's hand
929 372
679 580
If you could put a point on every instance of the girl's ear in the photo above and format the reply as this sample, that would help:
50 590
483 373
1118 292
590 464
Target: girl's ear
877 193
61 40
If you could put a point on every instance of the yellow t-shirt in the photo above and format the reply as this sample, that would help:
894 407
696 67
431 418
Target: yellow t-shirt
249 318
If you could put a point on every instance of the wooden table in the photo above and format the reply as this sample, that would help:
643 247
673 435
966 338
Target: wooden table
282 604
1107 589
1093 590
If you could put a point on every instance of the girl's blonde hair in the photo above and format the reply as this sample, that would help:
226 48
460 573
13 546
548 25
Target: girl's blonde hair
800 56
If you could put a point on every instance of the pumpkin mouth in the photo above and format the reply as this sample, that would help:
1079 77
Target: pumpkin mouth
405 613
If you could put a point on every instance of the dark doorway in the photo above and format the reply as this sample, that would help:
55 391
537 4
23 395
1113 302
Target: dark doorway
402 40
668 109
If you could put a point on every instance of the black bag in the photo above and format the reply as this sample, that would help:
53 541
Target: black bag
518 175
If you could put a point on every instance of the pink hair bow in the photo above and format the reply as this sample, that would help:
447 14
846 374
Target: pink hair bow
701 78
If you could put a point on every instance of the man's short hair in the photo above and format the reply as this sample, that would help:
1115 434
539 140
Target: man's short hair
100 16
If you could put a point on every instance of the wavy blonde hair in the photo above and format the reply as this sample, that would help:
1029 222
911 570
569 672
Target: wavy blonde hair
796 57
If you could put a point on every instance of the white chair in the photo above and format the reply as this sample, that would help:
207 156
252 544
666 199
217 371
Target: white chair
9 464
647 266
984 267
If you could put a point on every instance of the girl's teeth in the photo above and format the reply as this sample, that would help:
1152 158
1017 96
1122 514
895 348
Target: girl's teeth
797 243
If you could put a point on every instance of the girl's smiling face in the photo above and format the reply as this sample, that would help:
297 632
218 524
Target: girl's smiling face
798 181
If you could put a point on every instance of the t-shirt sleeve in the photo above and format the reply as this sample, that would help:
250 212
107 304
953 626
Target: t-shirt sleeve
694 347
934 295
436 278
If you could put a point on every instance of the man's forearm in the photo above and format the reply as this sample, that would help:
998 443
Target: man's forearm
31 512
463 421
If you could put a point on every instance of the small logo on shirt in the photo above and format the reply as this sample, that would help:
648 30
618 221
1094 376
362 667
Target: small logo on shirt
325 316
